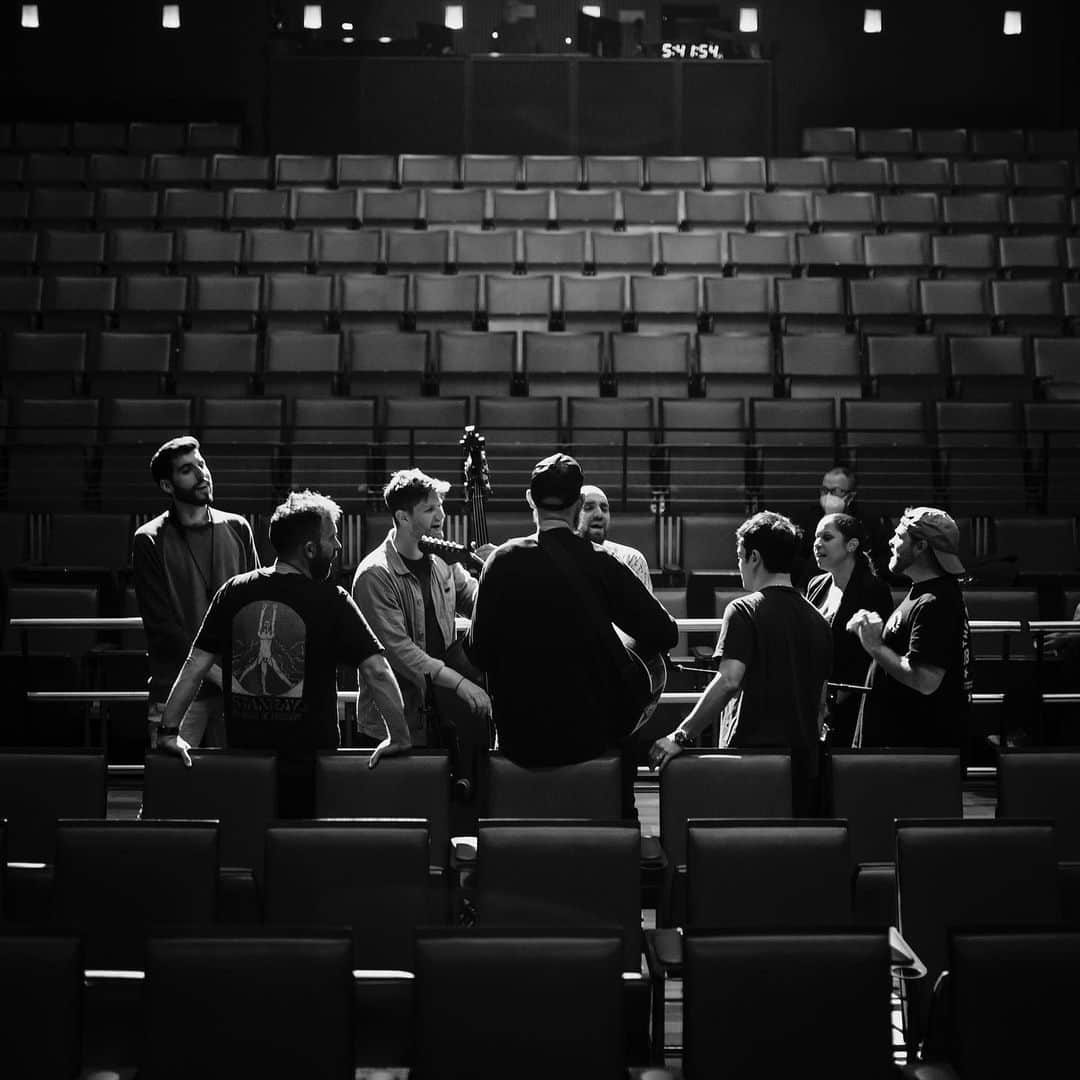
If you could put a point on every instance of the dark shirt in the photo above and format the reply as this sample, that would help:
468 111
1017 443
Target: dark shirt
787 649
554 685
177 571
280 637
433 638
931 627
864 590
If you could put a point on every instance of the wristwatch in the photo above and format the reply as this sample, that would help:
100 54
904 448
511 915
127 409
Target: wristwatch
680 738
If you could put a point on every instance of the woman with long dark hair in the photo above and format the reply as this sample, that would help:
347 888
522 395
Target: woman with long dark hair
849 582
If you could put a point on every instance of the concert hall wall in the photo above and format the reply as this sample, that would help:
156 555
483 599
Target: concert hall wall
938 63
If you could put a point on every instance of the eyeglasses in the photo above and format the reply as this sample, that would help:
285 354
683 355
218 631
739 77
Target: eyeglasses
838 491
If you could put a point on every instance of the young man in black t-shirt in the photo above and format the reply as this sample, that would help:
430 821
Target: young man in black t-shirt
920 681
775 654
280 633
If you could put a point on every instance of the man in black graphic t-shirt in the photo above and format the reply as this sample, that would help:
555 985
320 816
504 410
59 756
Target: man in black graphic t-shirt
920 682
280 633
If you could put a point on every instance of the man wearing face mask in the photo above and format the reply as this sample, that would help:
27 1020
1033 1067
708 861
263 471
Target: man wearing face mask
279 634
838 494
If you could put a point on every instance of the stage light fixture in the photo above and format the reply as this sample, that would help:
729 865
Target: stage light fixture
346 26
454 17
871 23
748 20
568 40
494 35
170 16
313 16
29 18
592 10
384 40
347 40
1014 23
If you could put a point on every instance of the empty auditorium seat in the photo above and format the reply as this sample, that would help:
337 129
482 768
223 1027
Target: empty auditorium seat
139 250
853 210
1028 307
762 253
563 364
1031 256
1038 213
55 170
474 363
218 302
829 141
187 207
735 172
490 170
217 362
986 174
331 438
989 368
705 444
796 440
277 249
611 438
409 248
428 170
736 365
298 170
301 363
884 305
910 211
830 253
948 142
298 301
335 250
71 251
124 206
650 210
485 251
621 252
449 301
1042 545
213 136
424 430
817 364
956 307
314 206
699 252
563 250
869 174
668 302
743 304
254 206
810 304
708 542
45 364
1051 432
152 302
367 170
1041 176
519 303
372 300
551 170
906 366
385 361
651 364
178 170
1056 363
613 170
984 456
782 210
467 208
593 207
48 452
891 142
132 363
664 171
74 302
18 251
206 250
519 208
392 208
716 209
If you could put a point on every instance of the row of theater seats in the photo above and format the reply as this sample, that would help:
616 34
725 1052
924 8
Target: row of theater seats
121 136
189 250
792 211
756 871
748 364
509 172
483 1002
980 458
1014 143
1039 544
543 301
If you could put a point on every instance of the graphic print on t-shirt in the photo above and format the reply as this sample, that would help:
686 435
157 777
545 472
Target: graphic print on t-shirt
268 651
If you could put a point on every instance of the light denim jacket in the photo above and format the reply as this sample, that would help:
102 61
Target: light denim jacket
390 597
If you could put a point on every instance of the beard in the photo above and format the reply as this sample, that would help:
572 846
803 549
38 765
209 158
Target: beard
194 496
596 532
320 567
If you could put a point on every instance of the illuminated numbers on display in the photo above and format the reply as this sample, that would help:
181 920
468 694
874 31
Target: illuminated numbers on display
704 50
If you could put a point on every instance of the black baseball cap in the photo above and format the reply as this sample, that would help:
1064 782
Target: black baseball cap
556 482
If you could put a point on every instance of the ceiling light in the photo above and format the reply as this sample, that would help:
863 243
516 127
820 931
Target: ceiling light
170 16
454 19
313 16
1014 23
748 20
29 19
871 23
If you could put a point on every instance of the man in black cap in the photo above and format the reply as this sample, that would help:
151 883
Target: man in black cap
561 681
920 678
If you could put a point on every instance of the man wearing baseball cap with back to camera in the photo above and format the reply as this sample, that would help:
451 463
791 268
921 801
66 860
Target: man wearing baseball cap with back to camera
920 678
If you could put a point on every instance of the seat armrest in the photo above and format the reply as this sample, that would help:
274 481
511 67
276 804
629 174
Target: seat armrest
922 1070
664 952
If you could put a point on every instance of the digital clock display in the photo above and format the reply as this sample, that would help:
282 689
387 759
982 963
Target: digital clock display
691 50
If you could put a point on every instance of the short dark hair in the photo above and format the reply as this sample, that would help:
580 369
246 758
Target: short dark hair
846 471
299 519
774 537
851 528
409 487
161 464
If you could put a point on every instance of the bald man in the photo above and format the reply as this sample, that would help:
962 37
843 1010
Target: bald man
593 523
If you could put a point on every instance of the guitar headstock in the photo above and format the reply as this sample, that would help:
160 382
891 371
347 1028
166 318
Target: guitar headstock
475 465
450 552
